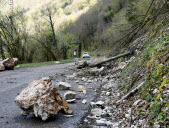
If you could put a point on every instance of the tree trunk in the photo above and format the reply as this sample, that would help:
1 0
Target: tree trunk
2 50
112 58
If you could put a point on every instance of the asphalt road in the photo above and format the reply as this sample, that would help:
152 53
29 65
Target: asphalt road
12 83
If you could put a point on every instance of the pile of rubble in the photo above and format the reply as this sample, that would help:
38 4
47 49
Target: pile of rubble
8 64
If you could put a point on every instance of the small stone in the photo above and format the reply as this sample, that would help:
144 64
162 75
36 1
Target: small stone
68 115
85 120
84 91
101 123
118 94
70 112
64 86
24 113
136 102
155 91
96 112
115 125
127 116
108 93
107 101
84 79
109 123
77 81
73 75
81 88
84 101
99 103
89 81
71 101
69 95
92 104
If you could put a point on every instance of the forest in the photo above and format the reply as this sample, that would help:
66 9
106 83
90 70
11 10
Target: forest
52 30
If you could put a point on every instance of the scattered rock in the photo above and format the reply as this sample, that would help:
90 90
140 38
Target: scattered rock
9 63
64 86
84 101
68 116
89 81
136 102
127 116
82 64
84 91
101 122
110 85
73 75
71 101
84 79
69 112
41 99
69 95
97 71
2 67
155 91
99 103
81 88
96 112
121 65
108 93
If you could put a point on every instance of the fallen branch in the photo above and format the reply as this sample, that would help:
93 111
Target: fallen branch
130 93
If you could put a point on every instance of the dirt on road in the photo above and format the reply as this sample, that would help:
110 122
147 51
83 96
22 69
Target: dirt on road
12 83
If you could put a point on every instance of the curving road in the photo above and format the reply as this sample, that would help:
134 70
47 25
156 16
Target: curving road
12 83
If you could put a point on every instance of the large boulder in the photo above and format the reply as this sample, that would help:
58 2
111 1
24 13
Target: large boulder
41 99
2 67
9 63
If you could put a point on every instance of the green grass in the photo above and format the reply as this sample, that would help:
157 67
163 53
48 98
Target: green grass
46 63
42 63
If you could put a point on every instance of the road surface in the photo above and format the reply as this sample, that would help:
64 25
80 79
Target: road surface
12 83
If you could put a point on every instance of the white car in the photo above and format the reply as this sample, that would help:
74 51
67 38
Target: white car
86 55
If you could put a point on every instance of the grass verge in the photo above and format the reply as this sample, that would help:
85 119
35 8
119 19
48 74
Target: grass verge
46 63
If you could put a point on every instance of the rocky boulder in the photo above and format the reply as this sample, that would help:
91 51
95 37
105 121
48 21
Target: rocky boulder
9 63
41 99
2 68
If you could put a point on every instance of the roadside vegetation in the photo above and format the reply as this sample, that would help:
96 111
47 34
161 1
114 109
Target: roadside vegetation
47 63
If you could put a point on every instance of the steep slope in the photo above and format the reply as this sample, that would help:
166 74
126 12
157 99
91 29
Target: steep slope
151 66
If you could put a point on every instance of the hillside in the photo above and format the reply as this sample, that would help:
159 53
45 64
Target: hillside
66 10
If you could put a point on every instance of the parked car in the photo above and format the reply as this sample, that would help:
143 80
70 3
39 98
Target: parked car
86 55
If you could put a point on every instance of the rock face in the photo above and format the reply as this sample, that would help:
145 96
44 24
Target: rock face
41 99
64 86
9 63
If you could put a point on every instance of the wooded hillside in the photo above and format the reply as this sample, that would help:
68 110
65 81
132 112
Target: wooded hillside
52 30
